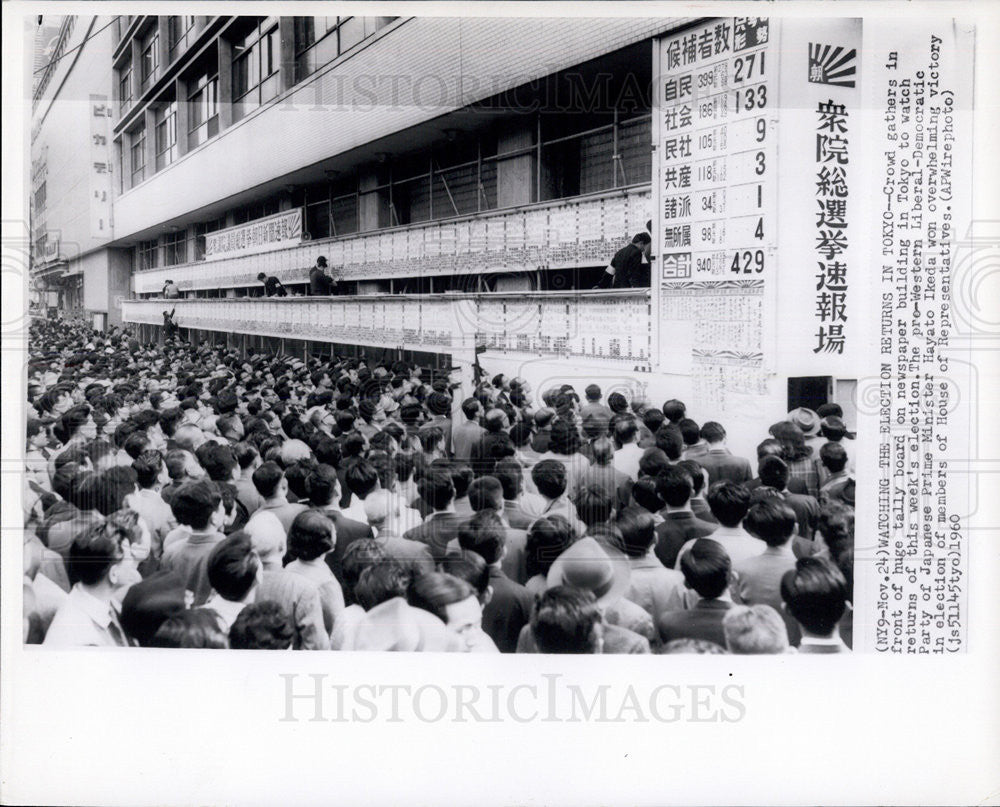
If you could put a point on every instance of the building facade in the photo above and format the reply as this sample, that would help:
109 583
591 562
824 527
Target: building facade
467 196
71 220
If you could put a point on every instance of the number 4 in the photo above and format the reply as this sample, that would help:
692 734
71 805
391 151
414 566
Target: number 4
759 232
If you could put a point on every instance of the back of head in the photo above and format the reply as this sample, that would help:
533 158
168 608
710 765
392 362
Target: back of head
470 567
728 502
267 535
196 629
833 456
637 530
593 392
194 504
548 537
713 433
594 505
93 553
696 647
815 594
359 556
690 431
772 521
436 488
147 467
233 567
486 493
644 494
706 566
549 477
361 478
773 472
380 582
262 626
485 535
566 620
696 472
311 536
435 591
626 430
669 441
510 476
603 450
674 410
675 486
322 484
267 479
755 630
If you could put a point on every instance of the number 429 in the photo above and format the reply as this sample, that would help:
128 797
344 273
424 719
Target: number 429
747 262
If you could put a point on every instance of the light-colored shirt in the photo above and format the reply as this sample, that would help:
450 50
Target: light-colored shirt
83 620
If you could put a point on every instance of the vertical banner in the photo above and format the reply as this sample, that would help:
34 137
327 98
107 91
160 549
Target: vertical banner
716 96
924 263
820 295
100 167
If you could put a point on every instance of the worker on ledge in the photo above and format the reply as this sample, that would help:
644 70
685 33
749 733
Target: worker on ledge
630 266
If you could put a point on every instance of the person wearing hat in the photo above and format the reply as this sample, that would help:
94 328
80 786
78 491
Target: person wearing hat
808 423
320 283
594 567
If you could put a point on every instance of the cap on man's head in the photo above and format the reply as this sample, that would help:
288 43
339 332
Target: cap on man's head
321 260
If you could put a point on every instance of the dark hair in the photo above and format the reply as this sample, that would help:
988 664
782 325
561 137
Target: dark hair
245 454
690 431
521 433
232 567
669 441
836 525
266 478
642 238
674 410
380 582
652 461
470 408
436 488
625 429
728 502
403 466
773 472
484 534
358 556
549 477
93 552
361 478
768 448
70 421
219 461
771 520
706 566
564 438
262 626
644 494
170 419
594 505
470 567
194 504
510 475
713 432
198 628
486 493
566 620
107 490
593 392
833 456
322 484
815 593
548 537
637 531
617 402
675 486
147 467
311 535
435 591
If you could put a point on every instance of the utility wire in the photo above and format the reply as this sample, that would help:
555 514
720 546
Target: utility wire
66 53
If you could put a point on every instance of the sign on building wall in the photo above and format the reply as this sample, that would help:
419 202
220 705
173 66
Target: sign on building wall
716 175
100 169
260 235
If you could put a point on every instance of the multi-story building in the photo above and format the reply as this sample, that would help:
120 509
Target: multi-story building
71 172
468 180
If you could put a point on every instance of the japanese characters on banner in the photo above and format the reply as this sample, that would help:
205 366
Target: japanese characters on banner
100 167
715 130
260 235
820 149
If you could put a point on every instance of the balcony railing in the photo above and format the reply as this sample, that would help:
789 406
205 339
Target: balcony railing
590 325
584 231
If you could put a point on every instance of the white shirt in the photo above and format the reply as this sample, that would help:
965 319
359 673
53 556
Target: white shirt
627 459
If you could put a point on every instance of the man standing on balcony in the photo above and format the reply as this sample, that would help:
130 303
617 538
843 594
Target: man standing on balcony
170 290
630 266
320 283
272 286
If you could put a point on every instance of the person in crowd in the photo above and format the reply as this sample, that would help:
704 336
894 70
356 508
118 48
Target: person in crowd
815 594
520 509
170 290
324 492
466 432
198 507
235 573
754 630
594 407
272 485
719 460
454 602
730 503
652 585
706 568
198 629
262 626
567 620
310 539
550 480
800 457
675 487
441 525
833 458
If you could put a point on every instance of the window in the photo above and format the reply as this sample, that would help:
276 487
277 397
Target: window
40 198
203 109
175 248
125 86
320 40
200 231
137 142
256 58
180 34
150 56
166 134
146 255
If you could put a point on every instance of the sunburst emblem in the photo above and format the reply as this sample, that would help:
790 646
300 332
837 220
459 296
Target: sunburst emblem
831 65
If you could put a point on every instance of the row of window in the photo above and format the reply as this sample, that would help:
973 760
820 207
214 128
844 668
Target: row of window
176 248
255 62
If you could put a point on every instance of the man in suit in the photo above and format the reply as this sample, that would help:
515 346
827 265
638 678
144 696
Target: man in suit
324 493
815 594
486 493
730 504
719 461
774 474
519 508
271 484
509 609
440 526
772 448
629 268
706 569
594 407
680 525
466 432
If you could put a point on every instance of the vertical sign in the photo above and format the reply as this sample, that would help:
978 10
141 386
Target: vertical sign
820 149
100 167
715 130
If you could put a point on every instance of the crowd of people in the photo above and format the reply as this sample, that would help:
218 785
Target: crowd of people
185 495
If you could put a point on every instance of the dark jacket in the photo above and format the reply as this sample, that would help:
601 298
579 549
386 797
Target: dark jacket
320 283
